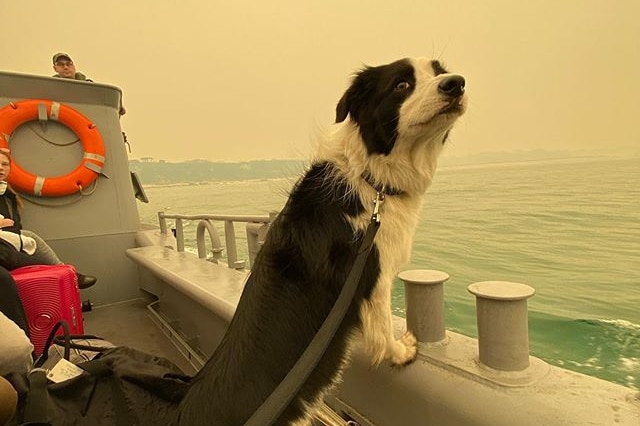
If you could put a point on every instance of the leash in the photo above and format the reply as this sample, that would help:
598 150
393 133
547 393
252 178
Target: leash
281 397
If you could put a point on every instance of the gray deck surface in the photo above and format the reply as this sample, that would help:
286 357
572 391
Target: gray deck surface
130 324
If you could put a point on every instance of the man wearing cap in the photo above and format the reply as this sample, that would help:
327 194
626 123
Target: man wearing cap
64 67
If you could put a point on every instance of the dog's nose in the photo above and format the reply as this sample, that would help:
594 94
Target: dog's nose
452 86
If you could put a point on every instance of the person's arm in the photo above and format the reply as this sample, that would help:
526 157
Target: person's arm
9 213
6 222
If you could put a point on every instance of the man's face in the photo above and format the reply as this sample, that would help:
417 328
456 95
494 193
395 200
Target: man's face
65 67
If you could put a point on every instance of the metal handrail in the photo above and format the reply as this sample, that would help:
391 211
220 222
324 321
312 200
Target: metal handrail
256 229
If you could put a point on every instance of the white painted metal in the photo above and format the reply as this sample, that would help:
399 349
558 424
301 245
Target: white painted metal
503 332
424 298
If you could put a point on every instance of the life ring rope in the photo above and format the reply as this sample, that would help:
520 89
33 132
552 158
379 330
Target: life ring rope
60 202
15 114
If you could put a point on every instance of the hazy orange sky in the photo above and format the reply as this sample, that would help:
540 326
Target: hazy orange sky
239 80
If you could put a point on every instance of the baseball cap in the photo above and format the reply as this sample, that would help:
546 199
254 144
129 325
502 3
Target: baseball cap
57 56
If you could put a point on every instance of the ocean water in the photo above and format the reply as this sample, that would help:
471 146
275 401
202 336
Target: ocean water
569 228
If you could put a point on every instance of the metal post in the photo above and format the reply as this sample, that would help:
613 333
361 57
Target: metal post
179 235
254 241
163 223
230 240
424 299
503 333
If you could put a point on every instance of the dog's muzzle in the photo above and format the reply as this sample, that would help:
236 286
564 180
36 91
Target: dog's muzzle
452 86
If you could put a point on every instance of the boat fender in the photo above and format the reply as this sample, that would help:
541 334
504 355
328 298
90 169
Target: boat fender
15 114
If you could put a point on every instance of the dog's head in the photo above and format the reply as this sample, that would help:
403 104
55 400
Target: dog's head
403 112
407 98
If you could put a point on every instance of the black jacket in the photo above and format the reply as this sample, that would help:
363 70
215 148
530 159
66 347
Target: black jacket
10 258
9 209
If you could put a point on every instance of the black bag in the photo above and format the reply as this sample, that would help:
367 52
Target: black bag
76 348
120 386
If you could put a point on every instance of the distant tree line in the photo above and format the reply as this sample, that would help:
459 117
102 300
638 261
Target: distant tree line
163 172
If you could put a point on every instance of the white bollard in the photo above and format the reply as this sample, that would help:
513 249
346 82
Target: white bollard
503 329
424 299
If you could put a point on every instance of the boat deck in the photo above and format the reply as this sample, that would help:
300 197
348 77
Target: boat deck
130 324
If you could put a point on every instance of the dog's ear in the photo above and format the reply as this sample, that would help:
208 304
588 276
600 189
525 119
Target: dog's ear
353 99
350 101
342 110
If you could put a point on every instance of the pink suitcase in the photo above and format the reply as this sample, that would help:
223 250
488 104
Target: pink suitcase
49 293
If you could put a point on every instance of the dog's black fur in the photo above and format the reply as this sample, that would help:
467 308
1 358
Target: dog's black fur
304 263
295 281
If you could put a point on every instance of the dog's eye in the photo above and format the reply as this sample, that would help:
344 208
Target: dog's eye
403 85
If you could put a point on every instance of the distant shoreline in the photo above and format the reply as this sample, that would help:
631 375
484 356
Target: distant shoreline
165 174
515 162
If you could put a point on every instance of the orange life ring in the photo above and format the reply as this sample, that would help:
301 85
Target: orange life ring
15 114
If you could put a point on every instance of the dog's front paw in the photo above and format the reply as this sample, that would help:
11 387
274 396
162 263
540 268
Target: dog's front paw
405 349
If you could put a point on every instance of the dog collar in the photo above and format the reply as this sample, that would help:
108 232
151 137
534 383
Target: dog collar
383 189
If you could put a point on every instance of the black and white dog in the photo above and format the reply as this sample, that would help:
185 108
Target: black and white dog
391 125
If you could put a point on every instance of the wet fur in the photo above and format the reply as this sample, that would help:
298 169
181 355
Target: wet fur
391 131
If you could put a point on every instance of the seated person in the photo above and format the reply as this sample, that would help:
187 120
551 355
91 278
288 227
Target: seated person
17 350
20 247
10 304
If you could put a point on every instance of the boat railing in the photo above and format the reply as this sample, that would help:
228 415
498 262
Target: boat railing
256 227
